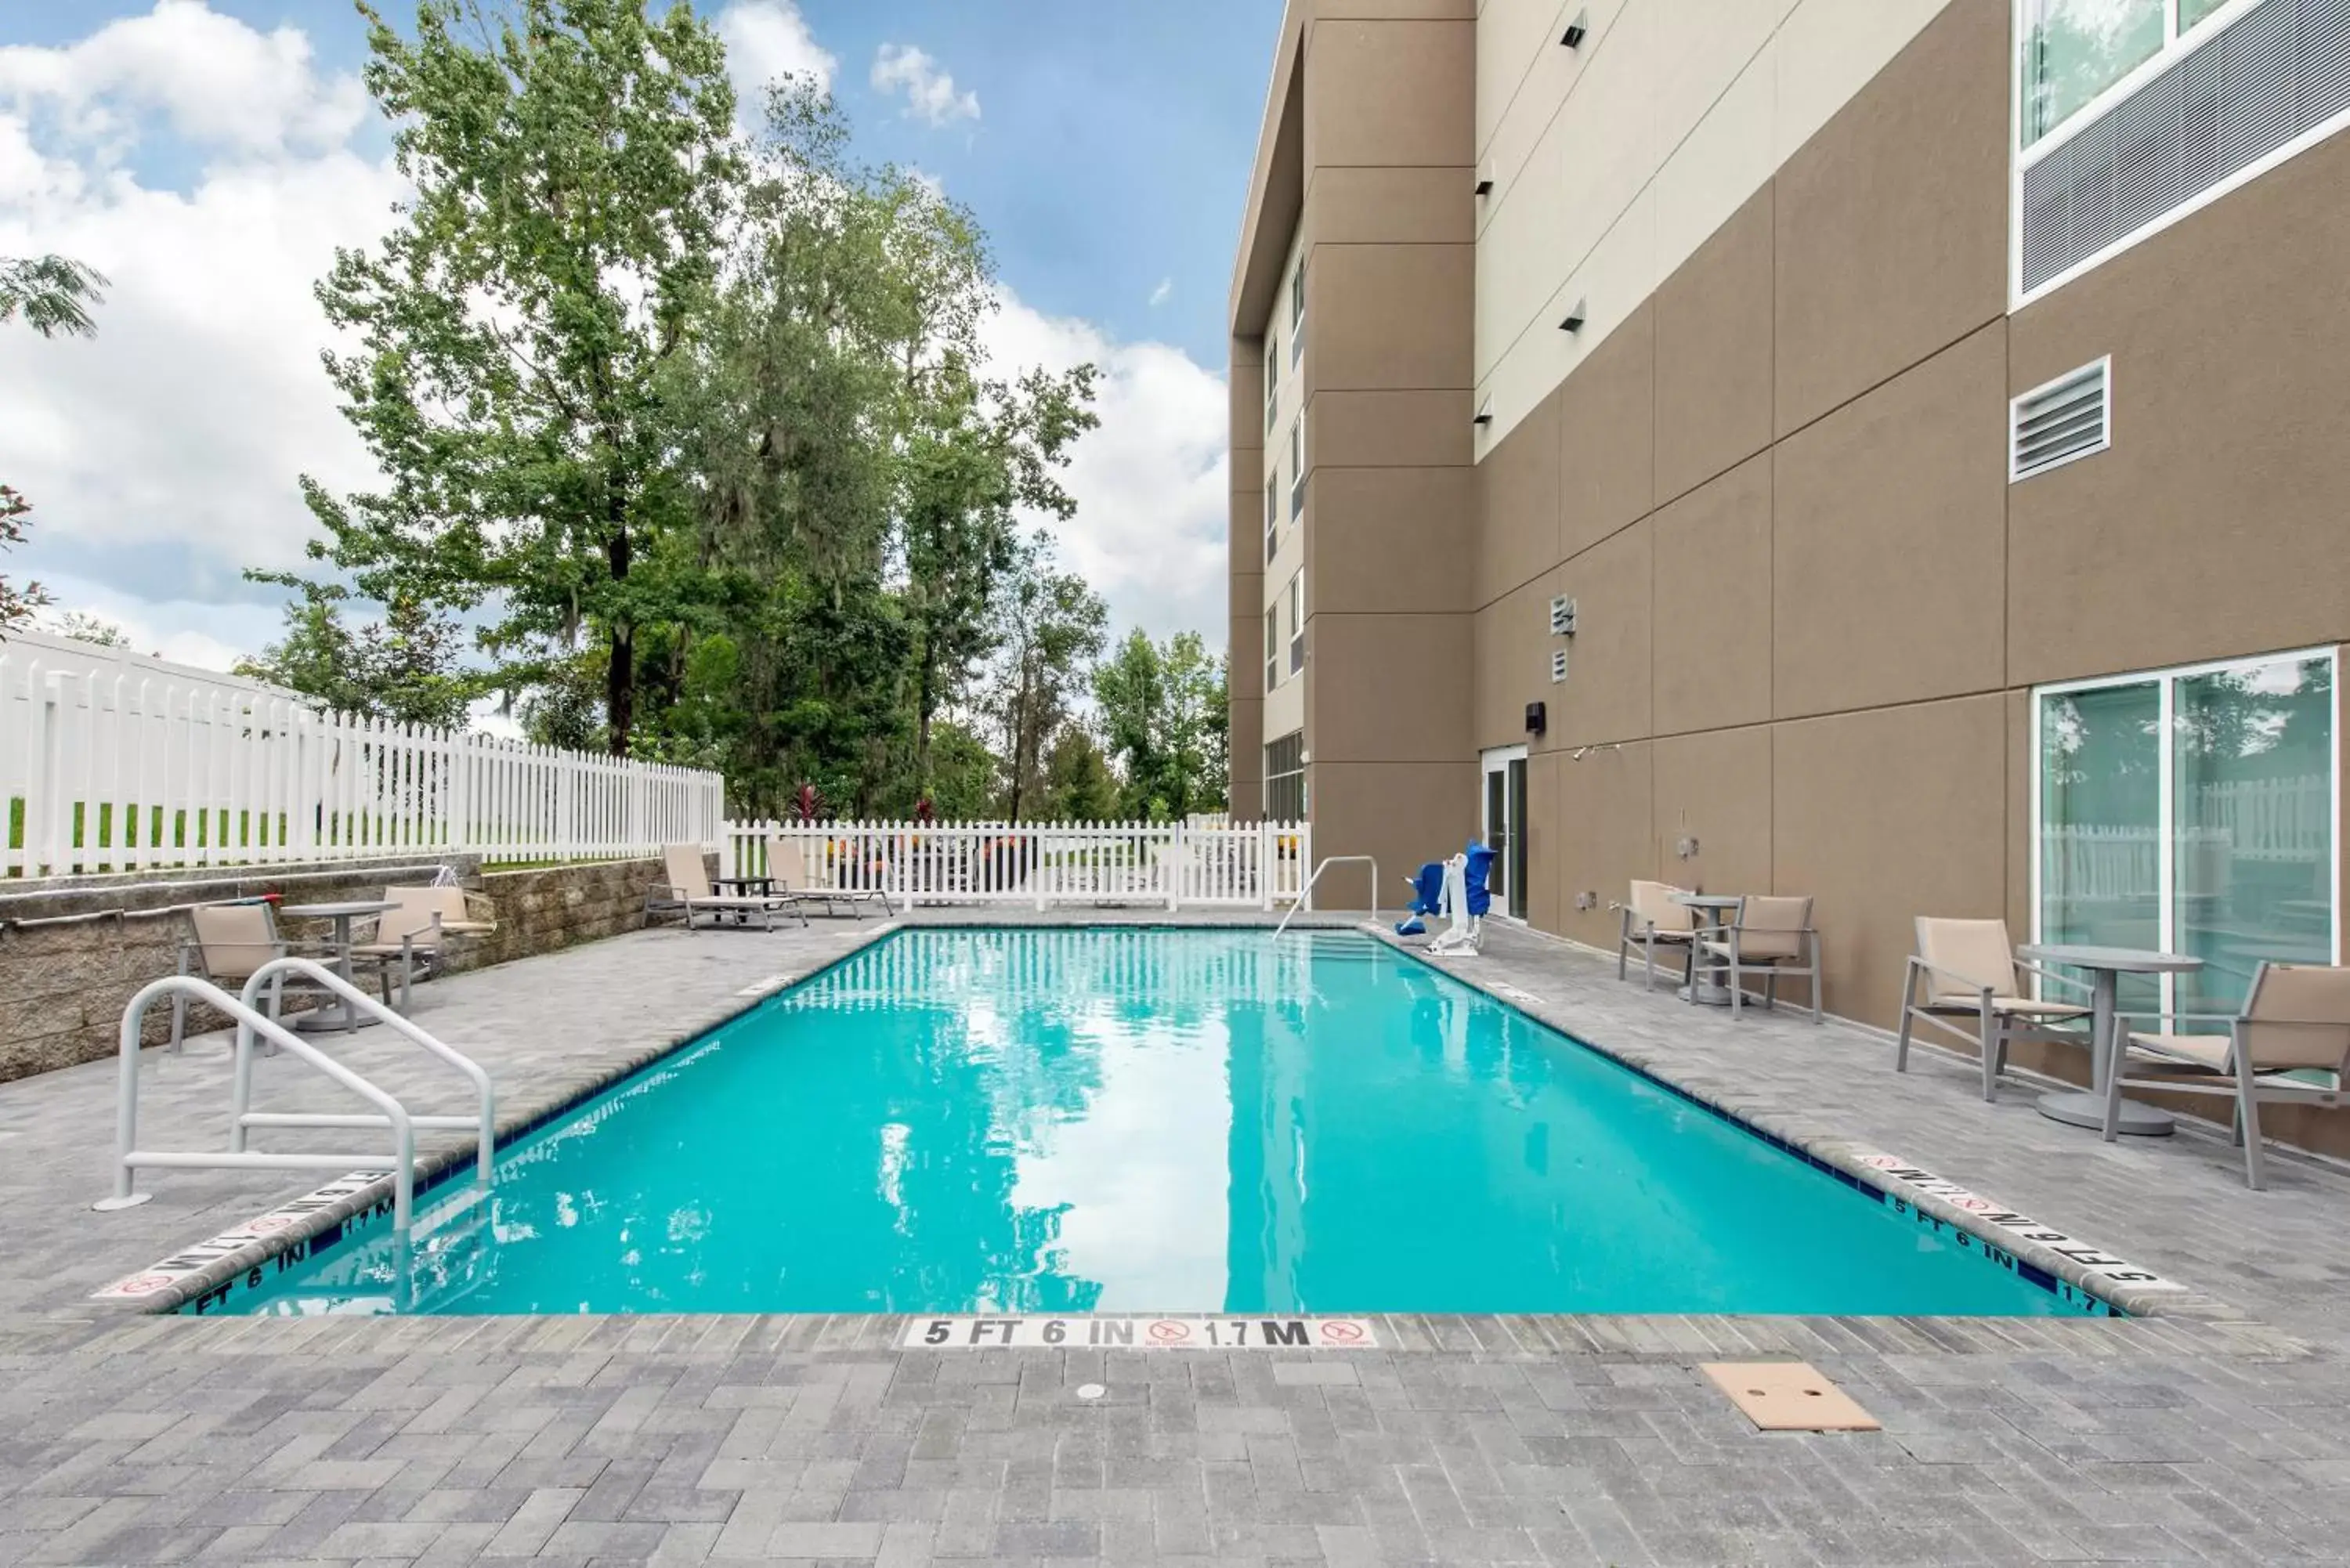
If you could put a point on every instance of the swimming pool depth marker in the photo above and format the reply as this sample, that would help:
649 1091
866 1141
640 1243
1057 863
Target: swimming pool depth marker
1997 1217
1235 1332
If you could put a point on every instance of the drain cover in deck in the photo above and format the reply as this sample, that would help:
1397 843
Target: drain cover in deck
1788 1396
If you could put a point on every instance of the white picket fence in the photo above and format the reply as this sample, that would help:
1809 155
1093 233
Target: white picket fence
110 761
1255 866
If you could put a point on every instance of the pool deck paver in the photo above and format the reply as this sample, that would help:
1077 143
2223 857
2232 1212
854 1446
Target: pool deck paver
133 1439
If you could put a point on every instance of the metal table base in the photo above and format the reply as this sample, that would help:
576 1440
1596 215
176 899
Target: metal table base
2085 1108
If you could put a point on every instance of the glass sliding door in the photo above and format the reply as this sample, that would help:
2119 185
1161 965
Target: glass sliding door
2252 787
2192 811
2101 822
1505 827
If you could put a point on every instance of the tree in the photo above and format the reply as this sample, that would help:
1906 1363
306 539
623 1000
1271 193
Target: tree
403 667
53 294
575 171
1162 709
1050 628
1079 784
83 626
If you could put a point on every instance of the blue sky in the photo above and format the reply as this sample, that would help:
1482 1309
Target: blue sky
208 154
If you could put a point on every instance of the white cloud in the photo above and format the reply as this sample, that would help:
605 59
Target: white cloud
217 83
1163 293
1152 512
766 39
929 91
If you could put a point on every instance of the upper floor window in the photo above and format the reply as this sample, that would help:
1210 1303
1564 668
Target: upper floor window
2073 51
1272 516
1272 378
1297 621
1273 648
1297 313
1297 466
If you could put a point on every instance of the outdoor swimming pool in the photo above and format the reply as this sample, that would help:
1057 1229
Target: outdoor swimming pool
1068 1121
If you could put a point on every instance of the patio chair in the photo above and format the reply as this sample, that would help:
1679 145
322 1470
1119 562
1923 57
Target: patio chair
1652 920
1970 972
229 942
788 864
415 937
687 892
1769 937
2296 1019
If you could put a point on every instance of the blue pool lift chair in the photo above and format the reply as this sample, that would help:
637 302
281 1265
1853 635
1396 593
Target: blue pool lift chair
1457 889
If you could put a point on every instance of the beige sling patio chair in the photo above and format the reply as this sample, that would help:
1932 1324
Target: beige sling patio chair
2296 1018
1652 920
228 942
1970 975
415 936
687 892
787 866
1771 936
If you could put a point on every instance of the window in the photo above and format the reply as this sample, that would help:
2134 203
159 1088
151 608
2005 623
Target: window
2074 49
2193 811
1297 313
1297 621
1297 466
1284 778
1272 379
1272 516
1273 648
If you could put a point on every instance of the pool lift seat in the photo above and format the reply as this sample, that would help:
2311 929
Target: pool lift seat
1457 890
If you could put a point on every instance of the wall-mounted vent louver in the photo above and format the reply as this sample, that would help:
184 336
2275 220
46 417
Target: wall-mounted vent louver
1562 617
2070 417
1558 665
2280 70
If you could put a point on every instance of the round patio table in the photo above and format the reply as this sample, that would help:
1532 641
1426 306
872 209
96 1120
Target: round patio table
2106 966
339 1015
1713 911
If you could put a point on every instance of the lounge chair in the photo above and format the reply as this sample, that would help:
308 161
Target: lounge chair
2295 1017
1970 972
415 936
1652 920
230 941
687 892
1770 936
787 864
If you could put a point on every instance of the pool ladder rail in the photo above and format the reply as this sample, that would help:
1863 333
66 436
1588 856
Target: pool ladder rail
1306 895
251 1022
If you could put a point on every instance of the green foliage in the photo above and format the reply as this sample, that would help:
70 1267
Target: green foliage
403 667
1079 784
1162 710
53 294
83 626
1051 627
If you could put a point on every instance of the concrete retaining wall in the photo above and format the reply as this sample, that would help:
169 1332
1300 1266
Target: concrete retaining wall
63 986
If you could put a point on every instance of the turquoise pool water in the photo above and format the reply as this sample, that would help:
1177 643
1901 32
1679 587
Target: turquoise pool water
1077 1121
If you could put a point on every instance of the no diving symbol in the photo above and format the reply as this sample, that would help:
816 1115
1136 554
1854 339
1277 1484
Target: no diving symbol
1164 1331
1342 1332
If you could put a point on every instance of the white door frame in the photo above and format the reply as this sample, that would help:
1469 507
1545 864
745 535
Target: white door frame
1497 760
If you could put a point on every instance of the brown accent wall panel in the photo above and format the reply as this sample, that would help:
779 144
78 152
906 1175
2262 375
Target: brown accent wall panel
1606 695
1245 396
2219 524
1353 207
1885 816
1606 835
1713 603
1389 539
1425 428
1889 519
1390 93
1715 788
1405 702
1713 353
1517 505
1512 659
1371 323
1405 813
1607 429
1892 220
1546 899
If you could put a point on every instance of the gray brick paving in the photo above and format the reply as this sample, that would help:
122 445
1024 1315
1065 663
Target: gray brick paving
132 1440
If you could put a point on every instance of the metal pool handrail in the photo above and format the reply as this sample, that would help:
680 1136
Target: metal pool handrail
483 1126
129 1157
1306 895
